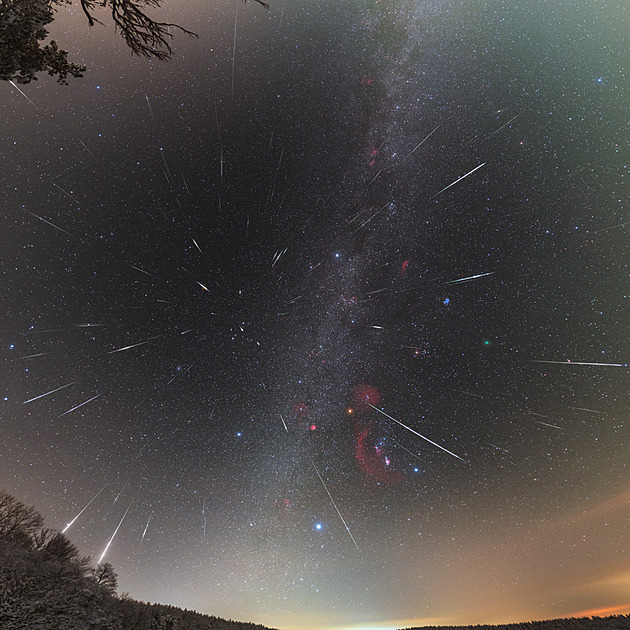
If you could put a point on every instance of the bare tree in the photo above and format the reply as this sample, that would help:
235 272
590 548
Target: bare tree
22 29
106 577
18 523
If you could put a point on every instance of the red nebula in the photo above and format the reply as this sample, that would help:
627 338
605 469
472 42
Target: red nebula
365 81
301 409
371 458
403 268
373 151
365 395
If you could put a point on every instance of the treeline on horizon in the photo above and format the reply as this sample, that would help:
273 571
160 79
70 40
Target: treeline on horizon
45 584
613 622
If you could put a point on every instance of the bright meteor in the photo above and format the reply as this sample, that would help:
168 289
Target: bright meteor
114 534
83 510
458 180
414 432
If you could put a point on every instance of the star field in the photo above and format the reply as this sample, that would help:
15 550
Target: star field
328 314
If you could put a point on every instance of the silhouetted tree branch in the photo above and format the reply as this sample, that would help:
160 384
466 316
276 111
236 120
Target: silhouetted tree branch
22 29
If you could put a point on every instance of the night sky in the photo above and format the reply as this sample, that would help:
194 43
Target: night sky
335 319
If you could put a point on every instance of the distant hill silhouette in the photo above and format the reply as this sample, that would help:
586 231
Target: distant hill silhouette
614 622
46 585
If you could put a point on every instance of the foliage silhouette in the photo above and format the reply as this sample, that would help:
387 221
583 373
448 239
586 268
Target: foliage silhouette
22 29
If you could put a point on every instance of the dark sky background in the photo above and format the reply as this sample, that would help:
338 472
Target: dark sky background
245 277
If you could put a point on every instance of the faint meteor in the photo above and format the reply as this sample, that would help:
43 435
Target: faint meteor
83 510
150 110
461 391
414 432
118 495
546 424
85 147
197 246
368 220
48 222
234 46
467 278
135 345
65 192
284 423
335 506
144 533
32 356
141 270
585 409
356 216
375 176
81 405
406 450
203 286
612 227
421 143
503 126
114 534
48 393
569 362
458 180
168 170
497 447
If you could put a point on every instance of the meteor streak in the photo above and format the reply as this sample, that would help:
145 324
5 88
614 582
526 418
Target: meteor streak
31 356
141 270
569 362
503 126
234 48
24 95
284 423
150 110
48 393
135 345
368 220
479 275
414 432
335 506
81 405
422 142
458 180
83 510
49 223
144 533
114 534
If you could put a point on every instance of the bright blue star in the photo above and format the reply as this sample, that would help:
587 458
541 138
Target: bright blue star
318 526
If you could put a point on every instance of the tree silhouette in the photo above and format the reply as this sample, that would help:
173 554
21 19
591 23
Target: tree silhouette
22 29
19 524
106 577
